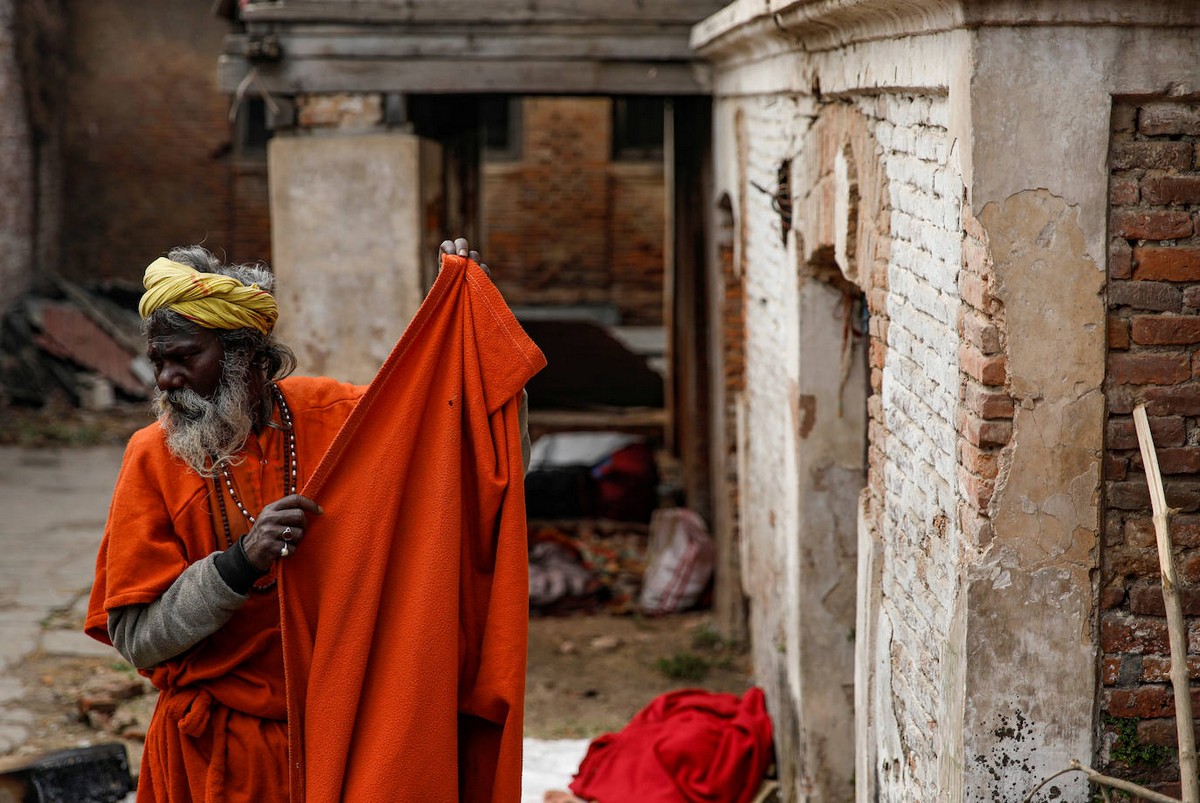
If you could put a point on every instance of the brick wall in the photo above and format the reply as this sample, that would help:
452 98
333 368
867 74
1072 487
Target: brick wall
915 299
1153 333
16 169
568 225
146 139
920 394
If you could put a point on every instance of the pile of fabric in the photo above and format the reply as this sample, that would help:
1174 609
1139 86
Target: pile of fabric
686 745
586 565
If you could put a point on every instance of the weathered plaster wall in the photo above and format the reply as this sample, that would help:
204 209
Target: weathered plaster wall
16 169
1041 195
1030 682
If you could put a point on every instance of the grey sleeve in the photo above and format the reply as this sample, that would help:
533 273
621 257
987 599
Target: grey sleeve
523 421
195 606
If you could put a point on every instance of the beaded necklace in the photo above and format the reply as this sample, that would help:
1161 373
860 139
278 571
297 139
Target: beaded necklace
289 485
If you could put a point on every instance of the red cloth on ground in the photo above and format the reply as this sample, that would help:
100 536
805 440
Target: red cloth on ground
405 610
218 731
685 746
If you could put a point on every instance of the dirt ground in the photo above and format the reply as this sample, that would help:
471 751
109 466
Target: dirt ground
588 673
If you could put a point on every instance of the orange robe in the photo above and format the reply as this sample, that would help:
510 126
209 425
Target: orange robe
218 733
405 610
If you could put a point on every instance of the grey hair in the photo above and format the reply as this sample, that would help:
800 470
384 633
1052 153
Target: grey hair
274 359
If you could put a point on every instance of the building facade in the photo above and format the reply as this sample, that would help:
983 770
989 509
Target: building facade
963 234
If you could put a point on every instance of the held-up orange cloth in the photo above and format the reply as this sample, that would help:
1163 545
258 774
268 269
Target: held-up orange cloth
218 733
405 610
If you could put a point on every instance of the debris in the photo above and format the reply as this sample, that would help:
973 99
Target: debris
73 343
97 774
67 332
604 643
585 565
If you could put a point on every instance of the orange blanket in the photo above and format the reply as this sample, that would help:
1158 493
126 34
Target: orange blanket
404 615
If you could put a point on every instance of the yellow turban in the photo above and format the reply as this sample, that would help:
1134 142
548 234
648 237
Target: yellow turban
211 300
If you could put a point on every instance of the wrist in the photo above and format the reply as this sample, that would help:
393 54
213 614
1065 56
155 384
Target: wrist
236 569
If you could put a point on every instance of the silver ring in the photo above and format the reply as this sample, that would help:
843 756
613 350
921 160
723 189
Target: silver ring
283 553
286 534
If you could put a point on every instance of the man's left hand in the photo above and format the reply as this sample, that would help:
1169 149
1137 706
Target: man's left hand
460 247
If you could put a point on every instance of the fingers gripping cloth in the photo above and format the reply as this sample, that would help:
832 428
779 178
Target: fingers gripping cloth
209 299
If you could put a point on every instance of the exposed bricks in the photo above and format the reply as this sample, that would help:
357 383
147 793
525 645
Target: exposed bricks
1171 190
1181 400
975 291
1121 435
1148 599
1148 369
1167 263
1120 259
1143 295
1123 190
982 433
1118 334
1157 224
1141 702
987 402
565 180
982 333
1159 330
983 368
980 462
1122 633
1169 118
1162 730
1152 155
1153 298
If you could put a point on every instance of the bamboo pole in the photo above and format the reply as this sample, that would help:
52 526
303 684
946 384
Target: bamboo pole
1176 629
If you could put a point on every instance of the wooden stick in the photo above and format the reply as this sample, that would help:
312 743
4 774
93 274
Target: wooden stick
1140 792
1176 629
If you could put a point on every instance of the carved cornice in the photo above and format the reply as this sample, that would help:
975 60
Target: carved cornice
761 28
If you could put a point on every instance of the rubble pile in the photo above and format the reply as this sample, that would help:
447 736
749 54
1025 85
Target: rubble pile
77 344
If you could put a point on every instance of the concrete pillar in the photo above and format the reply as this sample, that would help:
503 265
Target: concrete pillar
350 246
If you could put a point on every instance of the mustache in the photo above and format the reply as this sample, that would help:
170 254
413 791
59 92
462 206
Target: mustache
187 403
207 434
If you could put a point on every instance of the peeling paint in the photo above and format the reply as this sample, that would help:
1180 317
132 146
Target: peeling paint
1045 508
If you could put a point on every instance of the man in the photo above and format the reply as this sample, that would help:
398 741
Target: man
205 507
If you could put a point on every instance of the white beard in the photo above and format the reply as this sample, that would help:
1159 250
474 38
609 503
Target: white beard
205 433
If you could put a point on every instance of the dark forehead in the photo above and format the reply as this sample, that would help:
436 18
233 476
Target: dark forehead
180 338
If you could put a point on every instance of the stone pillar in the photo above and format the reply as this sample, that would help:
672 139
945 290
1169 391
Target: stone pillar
349 244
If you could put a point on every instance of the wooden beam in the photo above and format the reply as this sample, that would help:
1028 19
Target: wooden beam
456 76
478 13
575 43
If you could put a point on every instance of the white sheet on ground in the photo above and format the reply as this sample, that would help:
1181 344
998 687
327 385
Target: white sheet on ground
549 764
